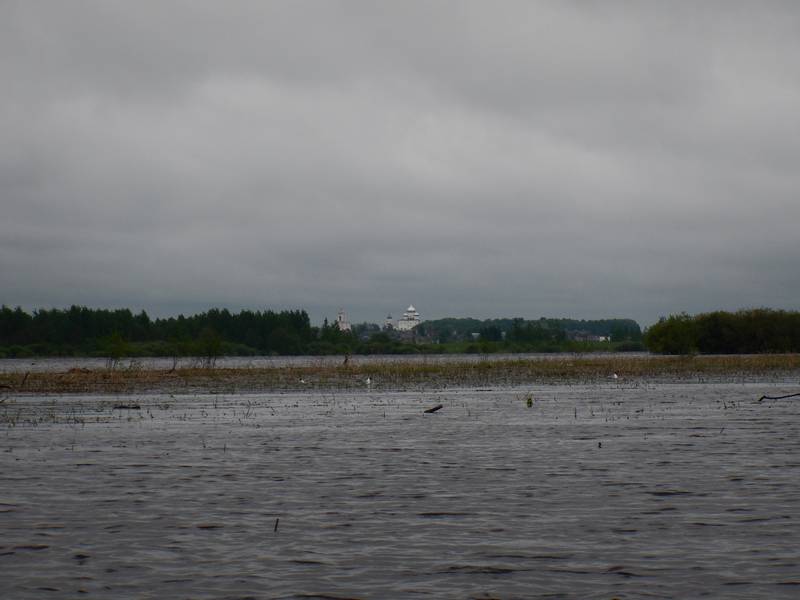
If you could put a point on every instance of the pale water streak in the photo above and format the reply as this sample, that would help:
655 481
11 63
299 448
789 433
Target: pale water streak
666 491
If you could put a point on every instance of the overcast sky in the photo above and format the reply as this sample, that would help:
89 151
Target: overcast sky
485 159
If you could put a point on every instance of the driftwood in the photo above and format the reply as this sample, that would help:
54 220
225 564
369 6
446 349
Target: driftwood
778 397
434 409
127 407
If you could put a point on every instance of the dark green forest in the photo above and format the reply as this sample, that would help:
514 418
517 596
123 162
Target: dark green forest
82 331
752 331
541 332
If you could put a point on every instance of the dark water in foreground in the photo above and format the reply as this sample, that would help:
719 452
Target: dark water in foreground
668 491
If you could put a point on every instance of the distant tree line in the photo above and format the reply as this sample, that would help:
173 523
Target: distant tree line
99 332
114 334
540 335
752 331
117 333
82 331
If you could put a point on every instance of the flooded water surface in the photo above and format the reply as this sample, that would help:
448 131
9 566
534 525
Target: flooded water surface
666 491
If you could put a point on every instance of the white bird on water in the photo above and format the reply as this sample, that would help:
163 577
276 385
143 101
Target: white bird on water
369 381
614 376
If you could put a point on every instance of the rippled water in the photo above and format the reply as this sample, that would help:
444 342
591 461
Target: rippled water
667 491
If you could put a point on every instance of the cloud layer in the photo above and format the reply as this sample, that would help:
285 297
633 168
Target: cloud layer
476 159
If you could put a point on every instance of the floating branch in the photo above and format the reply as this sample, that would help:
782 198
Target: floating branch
127 407
778 397
434 409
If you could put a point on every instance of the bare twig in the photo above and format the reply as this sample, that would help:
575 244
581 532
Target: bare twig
778 397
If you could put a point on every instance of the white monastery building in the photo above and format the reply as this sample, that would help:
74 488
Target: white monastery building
410 319
341 321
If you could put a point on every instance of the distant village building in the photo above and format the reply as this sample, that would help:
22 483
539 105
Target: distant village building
410 319
585 336
388 324
341 321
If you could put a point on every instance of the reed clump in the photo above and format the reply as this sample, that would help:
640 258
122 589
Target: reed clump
407 375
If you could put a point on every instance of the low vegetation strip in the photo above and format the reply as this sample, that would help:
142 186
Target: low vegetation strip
398 375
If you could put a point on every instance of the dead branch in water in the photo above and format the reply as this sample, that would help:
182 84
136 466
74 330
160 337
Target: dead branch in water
778 397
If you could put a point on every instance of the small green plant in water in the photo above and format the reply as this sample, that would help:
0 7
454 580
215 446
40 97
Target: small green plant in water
116 348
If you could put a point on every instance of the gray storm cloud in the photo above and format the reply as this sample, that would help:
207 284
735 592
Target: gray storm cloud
476 159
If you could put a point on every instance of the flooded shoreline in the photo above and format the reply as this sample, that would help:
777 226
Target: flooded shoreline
161 363
380 375
595 491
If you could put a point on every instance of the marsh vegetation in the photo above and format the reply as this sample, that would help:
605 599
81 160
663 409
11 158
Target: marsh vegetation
407 374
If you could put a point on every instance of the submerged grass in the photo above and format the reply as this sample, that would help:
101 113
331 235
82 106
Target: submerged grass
404 375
